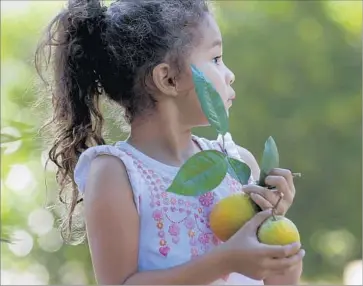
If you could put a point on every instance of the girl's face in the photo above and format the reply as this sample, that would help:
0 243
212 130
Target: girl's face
207 57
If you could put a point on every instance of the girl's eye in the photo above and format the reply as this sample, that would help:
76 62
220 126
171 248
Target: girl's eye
216 60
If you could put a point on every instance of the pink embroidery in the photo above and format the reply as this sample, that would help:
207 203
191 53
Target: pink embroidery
189 223
193 241
164 250
177 218
203 238
207 199
157 214
174 229
175 239
194 252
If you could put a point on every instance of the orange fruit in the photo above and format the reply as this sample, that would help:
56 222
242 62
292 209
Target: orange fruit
278 230
230 214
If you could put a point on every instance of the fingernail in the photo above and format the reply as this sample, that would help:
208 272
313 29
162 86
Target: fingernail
303 252
296 244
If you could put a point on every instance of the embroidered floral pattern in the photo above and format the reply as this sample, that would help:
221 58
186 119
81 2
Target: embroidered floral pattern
174 229
178 218
189 223
206 199
203 238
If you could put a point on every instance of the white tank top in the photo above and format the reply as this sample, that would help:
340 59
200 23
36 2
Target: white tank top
174 229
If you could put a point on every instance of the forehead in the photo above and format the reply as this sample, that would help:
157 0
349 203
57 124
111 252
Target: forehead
211 34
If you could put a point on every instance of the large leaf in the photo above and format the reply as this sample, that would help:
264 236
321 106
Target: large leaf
238 170
270 159
211 102
200 174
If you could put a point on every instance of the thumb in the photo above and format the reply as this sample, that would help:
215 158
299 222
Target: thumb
258 219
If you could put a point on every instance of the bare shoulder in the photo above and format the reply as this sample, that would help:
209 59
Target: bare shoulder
107 179
250 160
112 220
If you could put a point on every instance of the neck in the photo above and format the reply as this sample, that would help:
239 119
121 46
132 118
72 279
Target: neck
163 138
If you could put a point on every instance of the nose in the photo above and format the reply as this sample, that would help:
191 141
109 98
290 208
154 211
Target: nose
230 77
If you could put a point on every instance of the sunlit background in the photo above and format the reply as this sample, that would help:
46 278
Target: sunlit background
298 78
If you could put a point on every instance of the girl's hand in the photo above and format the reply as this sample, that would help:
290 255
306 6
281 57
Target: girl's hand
247 256
282 180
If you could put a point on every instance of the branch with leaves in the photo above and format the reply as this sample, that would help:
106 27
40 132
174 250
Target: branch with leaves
204 171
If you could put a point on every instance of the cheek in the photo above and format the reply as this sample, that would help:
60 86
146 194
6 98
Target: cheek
217 80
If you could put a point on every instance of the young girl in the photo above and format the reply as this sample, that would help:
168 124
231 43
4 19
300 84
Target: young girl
138 54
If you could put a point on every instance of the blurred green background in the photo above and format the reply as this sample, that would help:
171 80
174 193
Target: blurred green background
298 78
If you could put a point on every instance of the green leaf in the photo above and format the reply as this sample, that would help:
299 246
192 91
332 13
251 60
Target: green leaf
211 102
238 170
200 174
270 159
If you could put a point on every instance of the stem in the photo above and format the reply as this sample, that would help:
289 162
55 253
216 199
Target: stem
224 148
273 214
276 205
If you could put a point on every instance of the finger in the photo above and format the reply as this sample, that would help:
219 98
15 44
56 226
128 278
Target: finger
287 262
282 251
282 186
252 188
257 220
296 269
266 198
269 195
261 201
287 174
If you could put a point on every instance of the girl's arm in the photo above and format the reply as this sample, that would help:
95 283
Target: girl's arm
112 225
292 277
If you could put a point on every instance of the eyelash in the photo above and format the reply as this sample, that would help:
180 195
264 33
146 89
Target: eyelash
216 59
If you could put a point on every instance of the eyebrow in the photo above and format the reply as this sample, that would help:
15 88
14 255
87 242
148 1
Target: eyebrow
217 42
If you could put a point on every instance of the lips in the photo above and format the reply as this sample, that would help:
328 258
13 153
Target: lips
232 97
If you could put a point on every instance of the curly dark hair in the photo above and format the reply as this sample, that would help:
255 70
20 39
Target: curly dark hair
97 51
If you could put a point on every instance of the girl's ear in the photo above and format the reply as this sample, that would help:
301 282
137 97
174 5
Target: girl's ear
164 80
